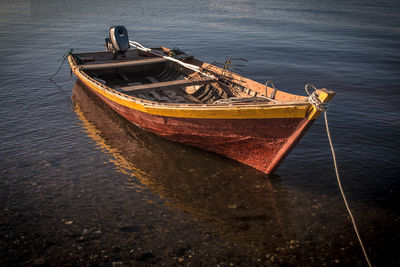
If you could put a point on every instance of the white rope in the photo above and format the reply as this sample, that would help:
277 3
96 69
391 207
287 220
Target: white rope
243 100
314 100
186 65
342 192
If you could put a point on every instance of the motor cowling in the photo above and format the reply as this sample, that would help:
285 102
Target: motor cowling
118 42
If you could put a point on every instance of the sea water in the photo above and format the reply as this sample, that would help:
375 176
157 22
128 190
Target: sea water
81 186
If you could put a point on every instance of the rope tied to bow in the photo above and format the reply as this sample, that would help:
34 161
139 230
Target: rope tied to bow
314 100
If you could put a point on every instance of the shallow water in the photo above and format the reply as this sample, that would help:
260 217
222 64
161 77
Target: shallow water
80 185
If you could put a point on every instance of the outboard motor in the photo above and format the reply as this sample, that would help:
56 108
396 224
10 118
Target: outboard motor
118 42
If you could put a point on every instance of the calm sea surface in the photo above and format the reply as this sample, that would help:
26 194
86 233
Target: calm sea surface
81 186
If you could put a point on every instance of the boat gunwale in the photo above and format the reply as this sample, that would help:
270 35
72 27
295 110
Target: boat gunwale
155 103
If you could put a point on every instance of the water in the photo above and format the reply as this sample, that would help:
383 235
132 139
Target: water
80 186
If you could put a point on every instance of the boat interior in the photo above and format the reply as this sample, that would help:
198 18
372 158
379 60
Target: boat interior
157 79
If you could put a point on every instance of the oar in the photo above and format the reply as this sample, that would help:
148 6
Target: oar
186 65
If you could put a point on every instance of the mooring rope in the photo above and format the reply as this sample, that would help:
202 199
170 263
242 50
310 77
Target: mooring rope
313 99
64 58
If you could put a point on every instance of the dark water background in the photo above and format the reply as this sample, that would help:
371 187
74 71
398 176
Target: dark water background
80 186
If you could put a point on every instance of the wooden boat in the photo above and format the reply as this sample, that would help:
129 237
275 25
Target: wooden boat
199 104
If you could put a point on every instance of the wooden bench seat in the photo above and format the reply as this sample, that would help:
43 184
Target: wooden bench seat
169 84
126 63
131 62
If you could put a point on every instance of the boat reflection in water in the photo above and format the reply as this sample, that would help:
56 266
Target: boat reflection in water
235 200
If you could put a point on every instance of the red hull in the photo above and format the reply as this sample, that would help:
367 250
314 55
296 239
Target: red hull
260 143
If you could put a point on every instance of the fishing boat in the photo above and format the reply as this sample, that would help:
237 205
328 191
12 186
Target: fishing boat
208 106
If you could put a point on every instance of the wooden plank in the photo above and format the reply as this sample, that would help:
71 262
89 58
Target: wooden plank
189 97
169 84
146 96
123 76
127 63
174 97
158 96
